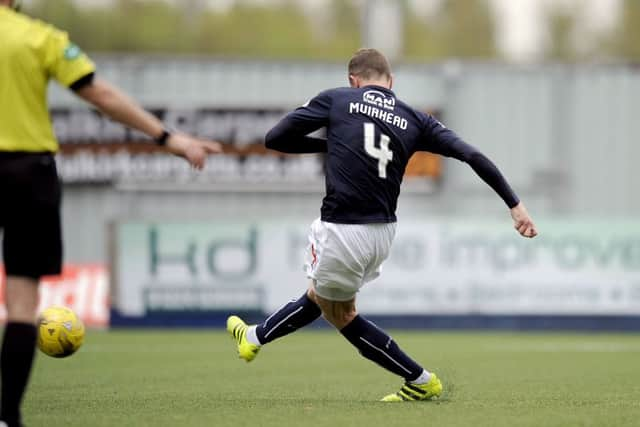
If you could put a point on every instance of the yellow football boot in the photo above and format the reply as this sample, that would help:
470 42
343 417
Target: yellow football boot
416 392
238 330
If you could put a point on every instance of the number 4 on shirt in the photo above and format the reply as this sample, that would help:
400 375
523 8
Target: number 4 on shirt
382 154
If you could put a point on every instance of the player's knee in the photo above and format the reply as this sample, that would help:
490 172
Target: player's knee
311 294
340 315
348 316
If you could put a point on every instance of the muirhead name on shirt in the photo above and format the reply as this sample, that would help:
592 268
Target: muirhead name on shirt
376 113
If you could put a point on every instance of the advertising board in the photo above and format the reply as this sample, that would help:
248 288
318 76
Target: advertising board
438 267
82 287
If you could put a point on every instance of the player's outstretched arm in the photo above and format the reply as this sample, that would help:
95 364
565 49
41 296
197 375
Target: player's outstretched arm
440 140
118 106
523 222
490 174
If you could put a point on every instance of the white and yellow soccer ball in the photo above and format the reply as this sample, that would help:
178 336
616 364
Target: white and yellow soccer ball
60 332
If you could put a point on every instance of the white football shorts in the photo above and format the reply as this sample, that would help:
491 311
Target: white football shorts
341 258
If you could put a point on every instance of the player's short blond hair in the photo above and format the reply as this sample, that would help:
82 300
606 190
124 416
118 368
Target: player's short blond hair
369 63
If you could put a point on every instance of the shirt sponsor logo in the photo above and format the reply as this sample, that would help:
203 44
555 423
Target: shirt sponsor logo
379 99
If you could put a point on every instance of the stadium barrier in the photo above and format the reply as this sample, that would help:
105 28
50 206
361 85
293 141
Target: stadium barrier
441 274
82 287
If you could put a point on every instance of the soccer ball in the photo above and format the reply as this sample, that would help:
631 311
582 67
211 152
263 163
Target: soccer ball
60 332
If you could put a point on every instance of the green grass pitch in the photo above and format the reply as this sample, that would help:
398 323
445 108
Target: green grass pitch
315 378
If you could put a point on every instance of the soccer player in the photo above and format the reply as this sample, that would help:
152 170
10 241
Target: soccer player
32 52
371 135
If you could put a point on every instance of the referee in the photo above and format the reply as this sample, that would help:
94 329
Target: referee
32 53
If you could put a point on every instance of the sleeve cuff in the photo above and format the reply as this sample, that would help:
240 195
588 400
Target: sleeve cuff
82 82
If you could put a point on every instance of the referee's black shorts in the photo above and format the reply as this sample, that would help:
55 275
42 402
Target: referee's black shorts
30 214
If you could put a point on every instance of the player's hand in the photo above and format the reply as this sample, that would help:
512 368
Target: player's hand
194 150
523 222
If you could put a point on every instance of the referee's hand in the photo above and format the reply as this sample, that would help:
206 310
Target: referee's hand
523 222
194 150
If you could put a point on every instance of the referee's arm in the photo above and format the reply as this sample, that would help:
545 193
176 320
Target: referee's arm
120 107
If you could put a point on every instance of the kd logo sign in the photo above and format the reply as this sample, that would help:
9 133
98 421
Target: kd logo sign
209 257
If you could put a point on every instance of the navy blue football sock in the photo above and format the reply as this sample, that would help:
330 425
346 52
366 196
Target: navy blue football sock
18 346
291 317
374 344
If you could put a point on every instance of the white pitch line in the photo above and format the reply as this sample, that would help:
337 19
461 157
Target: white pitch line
584 347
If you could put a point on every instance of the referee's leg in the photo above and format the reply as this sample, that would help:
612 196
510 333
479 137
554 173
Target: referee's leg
31 248
18 344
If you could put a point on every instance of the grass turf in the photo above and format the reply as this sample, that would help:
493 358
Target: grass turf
315 378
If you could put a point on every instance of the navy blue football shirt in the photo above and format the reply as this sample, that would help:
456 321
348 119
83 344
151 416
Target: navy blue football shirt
371 135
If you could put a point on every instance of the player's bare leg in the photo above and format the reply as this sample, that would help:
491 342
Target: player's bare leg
338 313
18 345
374 344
